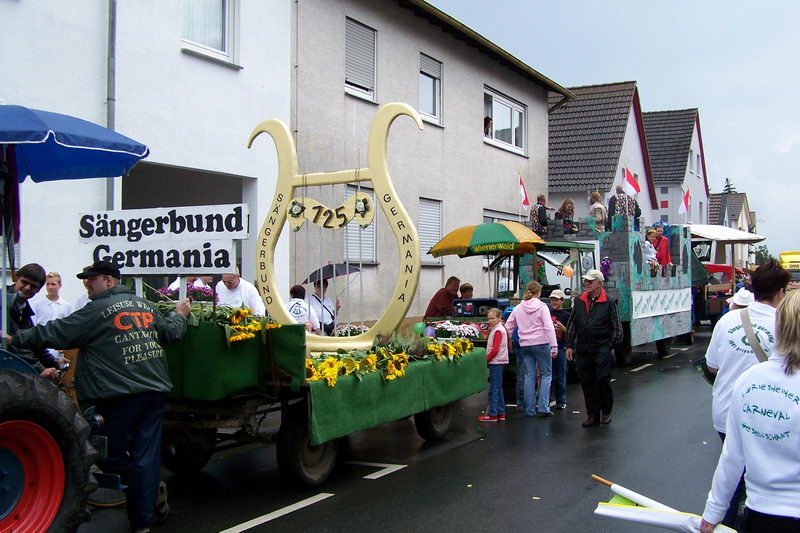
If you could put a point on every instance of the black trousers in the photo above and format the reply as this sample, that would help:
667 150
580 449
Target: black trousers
594 370
133 427
755 522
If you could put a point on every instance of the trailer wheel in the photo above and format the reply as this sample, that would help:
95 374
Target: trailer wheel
434 423
623 351
664 346
188 452
44 457
301 464
687 338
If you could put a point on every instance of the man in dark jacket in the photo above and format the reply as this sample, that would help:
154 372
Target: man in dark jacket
594 328
122 372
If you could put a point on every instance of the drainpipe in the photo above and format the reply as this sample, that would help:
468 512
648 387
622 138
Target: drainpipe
111 88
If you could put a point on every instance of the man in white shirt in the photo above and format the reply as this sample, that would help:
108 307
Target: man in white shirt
50 306
195 281
300 310
233 291
324 307
729 353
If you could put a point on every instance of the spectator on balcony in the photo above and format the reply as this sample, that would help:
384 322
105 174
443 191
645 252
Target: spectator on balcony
566 213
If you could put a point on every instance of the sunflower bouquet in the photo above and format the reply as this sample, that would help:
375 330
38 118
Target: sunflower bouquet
390 355
241 324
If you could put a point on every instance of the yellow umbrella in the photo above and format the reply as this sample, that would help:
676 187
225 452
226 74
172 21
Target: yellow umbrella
487 239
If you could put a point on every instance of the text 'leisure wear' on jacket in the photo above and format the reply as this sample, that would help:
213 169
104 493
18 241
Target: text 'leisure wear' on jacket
594 322
120 337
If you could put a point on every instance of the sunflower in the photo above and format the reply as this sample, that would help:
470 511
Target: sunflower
348 364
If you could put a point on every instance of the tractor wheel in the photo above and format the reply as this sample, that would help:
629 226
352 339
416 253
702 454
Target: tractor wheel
45 457
434 423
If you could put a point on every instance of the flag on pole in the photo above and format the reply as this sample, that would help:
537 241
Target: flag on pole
634 507
629 184
684 207
523 194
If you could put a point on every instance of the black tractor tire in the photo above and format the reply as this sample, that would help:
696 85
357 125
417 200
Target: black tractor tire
301 464
188 452
38 404
623 352
664 346
434 423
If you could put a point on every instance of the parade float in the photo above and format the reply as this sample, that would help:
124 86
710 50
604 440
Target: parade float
234 383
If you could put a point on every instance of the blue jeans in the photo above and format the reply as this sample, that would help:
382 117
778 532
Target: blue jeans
560 377
520 388
537 357
497 402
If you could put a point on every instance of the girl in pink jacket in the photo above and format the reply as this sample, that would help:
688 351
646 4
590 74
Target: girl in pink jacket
537 339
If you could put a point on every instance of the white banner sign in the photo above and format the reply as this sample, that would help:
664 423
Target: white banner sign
169 257
168 224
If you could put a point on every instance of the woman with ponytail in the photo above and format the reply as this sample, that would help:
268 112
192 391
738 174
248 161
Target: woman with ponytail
537 339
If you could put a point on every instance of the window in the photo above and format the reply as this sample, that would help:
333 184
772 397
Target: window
430 88
700 207
665 218
664 190
508 121
429 227
360 243
209 28
698 164
359 59
691 160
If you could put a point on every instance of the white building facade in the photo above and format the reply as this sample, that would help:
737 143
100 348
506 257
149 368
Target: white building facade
353 56
191 80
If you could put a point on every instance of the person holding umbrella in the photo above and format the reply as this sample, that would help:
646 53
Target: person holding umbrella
323 307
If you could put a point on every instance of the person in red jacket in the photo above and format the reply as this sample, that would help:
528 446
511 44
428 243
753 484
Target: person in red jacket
441 305
662 247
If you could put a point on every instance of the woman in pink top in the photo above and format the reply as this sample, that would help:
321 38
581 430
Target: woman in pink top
497 357
537 339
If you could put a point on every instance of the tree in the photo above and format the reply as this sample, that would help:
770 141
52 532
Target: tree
729 187
762 254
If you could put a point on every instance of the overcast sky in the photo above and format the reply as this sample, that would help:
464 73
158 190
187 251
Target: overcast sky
737 62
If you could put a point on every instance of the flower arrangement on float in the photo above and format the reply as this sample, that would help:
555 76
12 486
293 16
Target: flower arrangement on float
454 330
390 355
349 330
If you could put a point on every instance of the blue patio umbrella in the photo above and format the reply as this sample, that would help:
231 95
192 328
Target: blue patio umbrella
51 146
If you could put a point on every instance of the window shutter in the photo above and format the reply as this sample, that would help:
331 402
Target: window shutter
360 242
429 227
359 69
430 66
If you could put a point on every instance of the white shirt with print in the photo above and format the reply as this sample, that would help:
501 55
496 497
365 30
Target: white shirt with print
730 353
302 313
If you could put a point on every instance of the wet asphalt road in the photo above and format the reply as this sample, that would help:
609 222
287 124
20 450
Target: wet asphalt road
526 474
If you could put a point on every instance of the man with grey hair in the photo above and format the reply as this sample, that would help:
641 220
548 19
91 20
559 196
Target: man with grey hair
233 291
594 328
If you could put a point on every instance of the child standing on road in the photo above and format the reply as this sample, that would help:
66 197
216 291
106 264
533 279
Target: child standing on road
497 358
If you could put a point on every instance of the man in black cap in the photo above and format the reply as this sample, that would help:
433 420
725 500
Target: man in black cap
122 372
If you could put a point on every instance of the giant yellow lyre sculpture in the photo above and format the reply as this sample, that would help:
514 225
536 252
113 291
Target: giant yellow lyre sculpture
376 172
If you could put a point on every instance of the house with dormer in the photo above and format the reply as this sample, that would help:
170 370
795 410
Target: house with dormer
732 210
593 139
675 145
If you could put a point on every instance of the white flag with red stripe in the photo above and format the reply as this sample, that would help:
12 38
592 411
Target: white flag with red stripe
684 207
629 183
523 194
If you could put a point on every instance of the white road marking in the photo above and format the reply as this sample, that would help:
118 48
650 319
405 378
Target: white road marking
277 514
673 354
641 367
386 468
684 349
552 403
613 380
